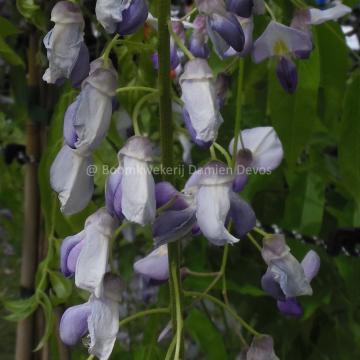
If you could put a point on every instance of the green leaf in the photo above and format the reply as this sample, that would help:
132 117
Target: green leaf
61 286
32 12
206 335
9 54
20 309
7 28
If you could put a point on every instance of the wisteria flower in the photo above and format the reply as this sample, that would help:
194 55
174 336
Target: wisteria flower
242 8
86 123
335 12
223 28
98 318
199 38
262 152
122 16
66 51
85 254
285 278
130 190
201 109
261 348
282 42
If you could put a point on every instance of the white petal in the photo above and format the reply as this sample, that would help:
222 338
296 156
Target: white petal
186 145
320 16
103 326
63 43
92 119
69 178
213 205
109 13
138 192
265 146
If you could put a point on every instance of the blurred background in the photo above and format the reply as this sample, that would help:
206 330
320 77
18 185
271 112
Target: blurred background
314 197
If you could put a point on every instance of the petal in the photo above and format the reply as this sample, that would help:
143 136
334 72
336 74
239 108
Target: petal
186 146
73 257
70 136
287 74
138 147
103 326
138 192
198 46
133 17
280 40
269 285
229 29
242 214
73 324
155 265
165 192
290 307
92 119
241 8
110 12
262 348
265 146
311 264
67 246
320 16
81 68
213 205
69 178
173 225
113 193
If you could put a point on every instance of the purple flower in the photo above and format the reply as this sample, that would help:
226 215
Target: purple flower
241 8
69 253
285 278
122 16
199 38
201 108
282 42
261 348
67 54
99 318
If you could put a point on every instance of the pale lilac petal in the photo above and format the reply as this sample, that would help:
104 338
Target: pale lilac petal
165 192
70 135
272 287
133 17
155 265
113 194
333 13
262 348
311 264
73 257
73 324
186 147
110 12
81 68
67 246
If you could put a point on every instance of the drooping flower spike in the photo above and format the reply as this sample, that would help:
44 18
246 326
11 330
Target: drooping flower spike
98 318
282 42
285 278
201 108
263 152
66 51
124 17
130 190
223 27
85 254
86 123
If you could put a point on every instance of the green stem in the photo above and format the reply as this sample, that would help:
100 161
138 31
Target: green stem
186 16
212 152
180 43
261 232
239 96
136 112
136 88
201 274
255 243
171 349
268 9
108 49
166 142
216 301
224 153
142 314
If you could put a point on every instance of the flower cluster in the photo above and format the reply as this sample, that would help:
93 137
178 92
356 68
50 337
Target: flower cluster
210 203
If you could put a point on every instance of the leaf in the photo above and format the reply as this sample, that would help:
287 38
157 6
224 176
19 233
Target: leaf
32 12
20 309
9 55
349 145
61 286
7 28
206 335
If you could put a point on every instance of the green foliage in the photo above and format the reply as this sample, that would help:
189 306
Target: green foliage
31 11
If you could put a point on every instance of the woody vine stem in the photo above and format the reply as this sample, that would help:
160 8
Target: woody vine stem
166 139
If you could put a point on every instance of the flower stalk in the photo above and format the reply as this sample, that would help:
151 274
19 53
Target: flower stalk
166 140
